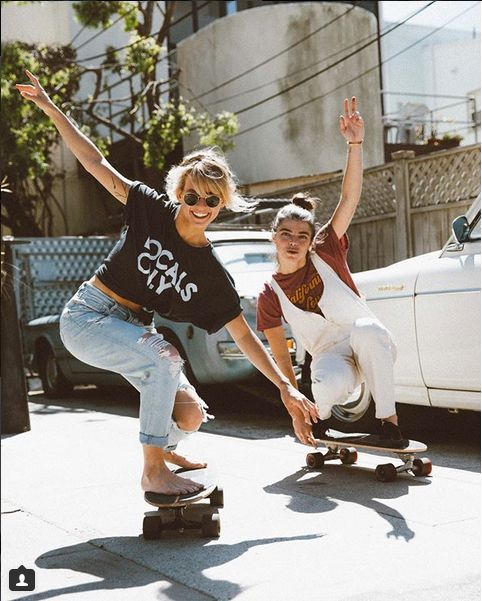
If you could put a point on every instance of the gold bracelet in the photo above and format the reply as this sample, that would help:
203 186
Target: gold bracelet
350 143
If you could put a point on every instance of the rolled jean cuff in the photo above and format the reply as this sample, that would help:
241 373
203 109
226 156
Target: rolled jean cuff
155 441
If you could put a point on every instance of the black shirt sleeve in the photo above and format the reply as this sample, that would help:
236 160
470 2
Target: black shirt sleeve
143 201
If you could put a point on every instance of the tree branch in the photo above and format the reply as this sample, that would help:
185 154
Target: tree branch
144 28
162 33
116 128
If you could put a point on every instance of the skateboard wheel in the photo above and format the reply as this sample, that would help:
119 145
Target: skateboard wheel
386 472
211 525
152 527
422 467
348 455
315 460
216 498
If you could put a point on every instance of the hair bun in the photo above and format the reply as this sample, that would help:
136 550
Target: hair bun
304 201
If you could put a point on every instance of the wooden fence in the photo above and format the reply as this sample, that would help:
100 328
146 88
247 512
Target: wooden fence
406 209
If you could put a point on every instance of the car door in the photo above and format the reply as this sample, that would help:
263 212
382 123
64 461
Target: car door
447 316
390 292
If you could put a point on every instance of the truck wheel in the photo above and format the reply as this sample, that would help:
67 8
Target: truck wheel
53 380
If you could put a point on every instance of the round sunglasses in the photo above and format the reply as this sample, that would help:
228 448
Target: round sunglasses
191 199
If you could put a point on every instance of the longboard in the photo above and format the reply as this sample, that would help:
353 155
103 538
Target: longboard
185 512
344 447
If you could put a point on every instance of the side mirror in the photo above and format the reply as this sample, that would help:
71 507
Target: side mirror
460 229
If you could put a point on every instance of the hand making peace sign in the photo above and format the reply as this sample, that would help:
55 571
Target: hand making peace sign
351 124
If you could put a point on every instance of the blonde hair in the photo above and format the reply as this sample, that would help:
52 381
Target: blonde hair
209 172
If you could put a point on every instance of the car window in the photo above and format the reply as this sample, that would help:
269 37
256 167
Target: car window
475 229
241 256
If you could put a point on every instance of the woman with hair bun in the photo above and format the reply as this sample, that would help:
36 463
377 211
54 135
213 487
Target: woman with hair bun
163 262
313 291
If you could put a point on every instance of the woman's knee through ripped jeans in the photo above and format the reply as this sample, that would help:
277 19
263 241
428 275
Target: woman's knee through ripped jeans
101 332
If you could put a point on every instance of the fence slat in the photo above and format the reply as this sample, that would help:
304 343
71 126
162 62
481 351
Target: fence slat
407 205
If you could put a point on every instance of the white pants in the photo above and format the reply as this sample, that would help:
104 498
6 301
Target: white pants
367 355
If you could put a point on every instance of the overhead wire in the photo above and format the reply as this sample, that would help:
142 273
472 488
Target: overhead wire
332 65
372 36
438 108
99 33
78 34
274 56
166 56
290 47
423 95
142 38
324 26
311 76
377 66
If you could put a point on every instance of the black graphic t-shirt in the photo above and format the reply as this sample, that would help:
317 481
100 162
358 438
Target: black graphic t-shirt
152 265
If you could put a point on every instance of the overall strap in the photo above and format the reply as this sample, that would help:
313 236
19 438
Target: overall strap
339 303
311 330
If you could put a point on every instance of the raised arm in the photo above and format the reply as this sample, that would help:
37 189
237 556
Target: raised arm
302 411
352 129
85 151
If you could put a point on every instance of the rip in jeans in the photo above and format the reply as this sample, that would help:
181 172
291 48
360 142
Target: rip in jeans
165 350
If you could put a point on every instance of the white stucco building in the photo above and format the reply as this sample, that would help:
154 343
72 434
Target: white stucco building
295 133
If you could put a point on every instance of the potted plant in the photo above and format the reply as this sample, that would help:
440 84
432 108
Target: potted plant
445 141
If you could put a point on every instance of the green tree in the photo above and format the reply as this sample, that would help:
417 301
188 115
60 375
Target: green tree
152 123
28 137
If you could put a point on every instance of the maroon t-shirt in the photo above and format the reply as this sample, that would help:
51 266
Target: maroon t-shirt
304 287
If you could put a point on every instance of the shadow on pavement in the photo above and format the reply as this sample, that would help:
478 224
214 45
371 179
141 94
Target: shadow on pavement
119 400
203 555
453 439
307 494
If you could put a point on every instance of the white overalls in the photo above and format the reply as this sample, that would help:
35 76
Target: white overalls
348 344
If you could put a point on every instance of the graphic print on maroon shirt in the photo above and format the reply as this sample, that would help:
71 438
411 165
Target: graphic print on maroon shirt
304 287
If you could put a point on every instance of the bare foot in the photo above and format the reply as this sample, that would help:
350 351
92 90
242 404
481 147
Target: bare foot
162 480
172 457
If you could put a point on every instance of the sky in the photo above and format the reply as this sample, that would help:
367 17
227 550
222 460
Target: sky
435 15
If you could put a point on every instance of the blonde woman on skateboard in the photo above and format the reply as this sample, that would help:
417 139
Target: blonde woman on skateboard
163 262
313 291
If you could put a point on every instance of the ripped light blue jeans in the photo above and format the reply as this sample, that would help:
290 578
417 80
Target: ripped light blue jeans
101 332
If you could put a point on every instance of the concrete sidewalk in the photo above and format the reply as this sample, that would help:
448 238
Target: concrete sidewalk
73 509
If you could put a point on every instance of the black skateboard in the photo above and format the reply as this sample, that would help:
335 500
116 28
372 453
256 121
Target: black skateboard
344 447
185 512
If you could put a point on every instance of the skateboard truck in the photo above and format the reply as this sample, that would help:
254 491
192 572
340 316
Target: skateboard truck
181 513
154 524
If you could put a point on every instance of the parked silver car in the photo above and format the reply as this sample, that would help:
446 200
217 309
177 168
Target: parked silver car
50 269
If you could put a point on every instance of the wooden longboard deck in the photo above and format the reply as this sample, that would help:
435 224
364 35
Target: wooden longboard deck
368 441
203 476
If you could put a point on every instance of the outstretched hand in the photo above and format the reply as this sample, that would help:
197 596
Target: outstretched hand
351 124
303 414
35 93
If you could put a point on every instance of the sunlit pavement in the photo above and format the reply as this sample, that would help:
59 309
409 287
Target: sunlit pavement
72 511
